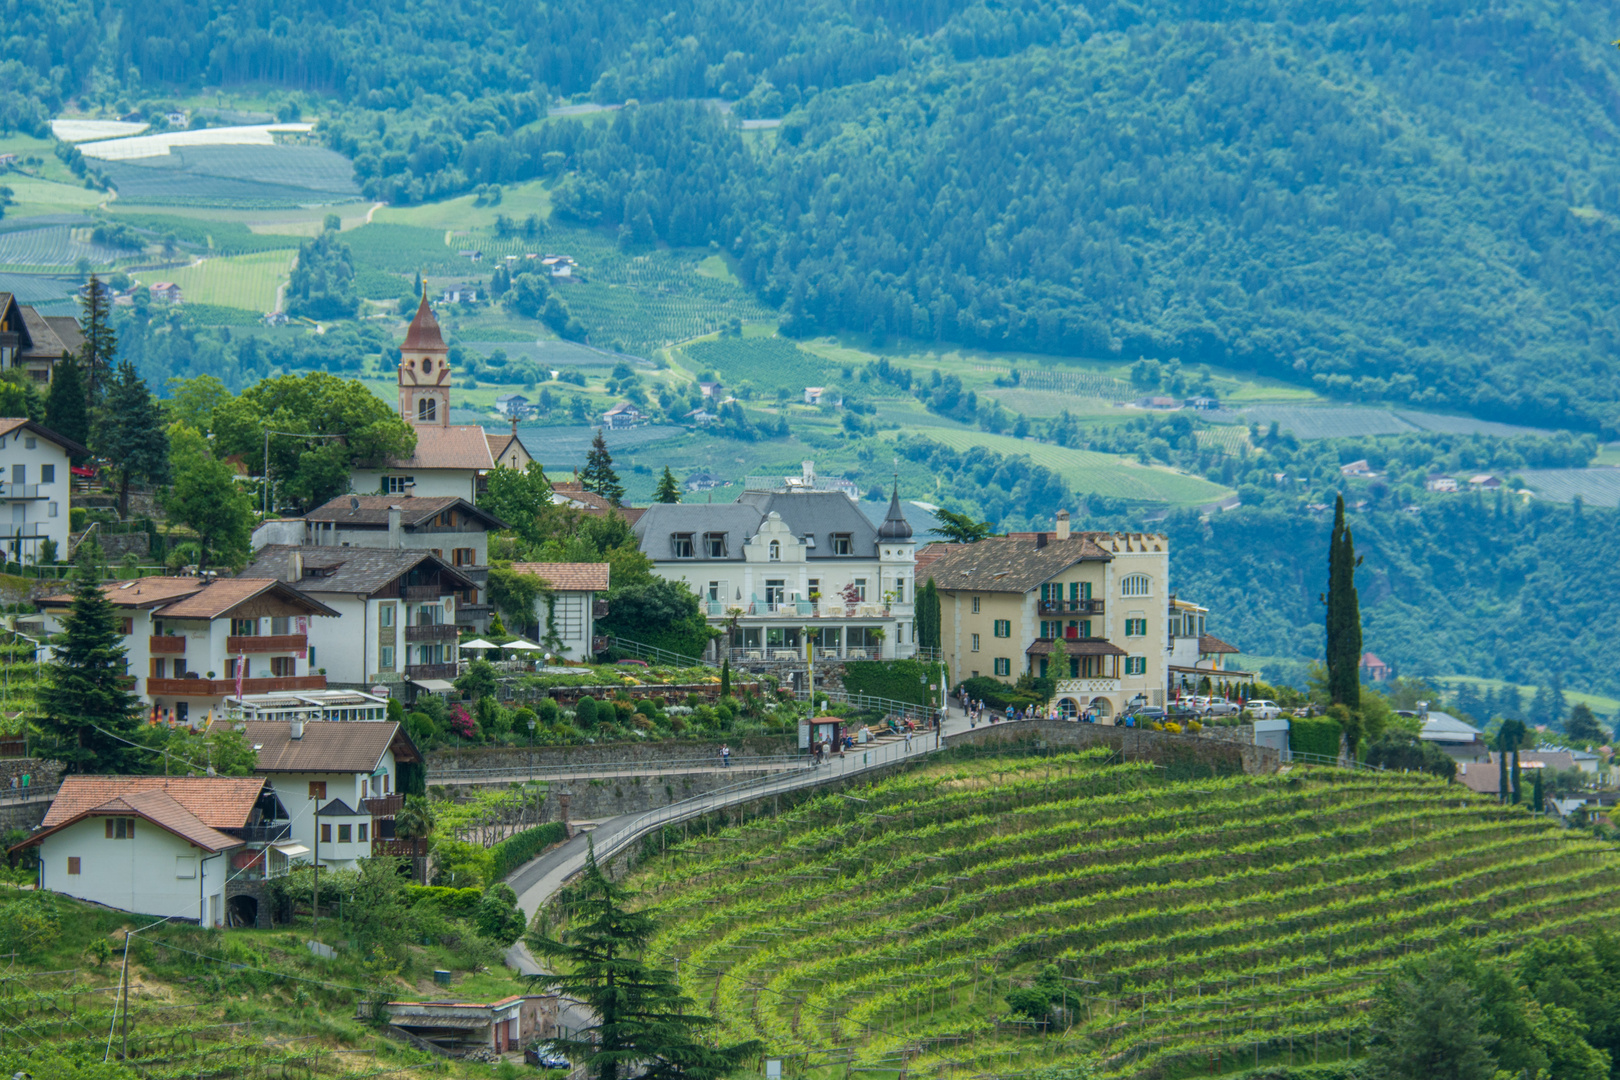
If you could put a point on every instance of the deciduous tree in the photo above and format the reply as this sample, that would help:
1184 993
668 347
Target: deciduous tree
205 497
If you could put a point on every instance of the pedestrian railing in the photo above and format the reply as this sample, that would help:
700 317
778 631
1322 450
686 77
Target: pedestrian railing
624 768
654 655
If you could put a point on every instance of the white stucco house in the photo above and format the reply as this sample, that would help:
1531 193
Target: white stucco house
342 776
190 642
574 607
397 611
34 486
163 846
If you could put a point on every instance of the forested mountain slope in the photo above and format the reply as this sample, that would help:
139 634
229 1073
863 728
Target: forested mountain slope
1403 200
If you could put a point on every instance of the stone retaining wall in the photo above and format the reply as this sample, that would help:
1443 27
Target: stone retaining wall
653 754
1160 747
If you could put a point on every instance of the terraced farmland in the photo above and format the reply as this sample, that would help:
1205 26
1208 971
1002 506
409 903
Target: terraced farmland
1090 472
1199 925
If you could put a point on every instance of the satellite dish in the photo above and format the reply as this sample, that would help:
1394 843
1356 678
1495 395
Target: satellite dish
354 502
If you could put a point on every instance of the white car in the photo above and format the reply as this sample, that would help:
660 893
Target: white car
1261 709
1220 707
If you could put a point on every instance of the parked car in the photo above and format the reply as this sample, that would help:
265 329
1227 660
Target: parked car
1218 707
1261 709
545 1056
1147 714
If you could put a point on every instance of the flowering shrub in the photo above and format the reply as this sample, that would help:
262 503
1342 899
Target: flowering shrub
462 723
1173 728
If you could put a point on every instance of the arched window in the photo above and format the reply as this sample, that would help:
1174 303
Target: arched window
1136 585
427 409
776 551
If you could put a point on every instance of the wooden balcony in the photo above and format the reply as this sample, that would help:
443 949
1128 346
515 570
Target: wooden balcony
422 592
382 806
266 643
436 632
224 687
166 646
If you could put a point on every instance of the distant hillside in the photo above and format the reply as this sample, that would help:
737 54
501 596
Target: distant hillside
1390 200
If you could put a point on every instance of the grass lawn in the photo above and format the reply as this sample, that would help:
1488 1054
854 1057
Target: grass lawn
238 281
1088 472
518 201
1598 703
33 196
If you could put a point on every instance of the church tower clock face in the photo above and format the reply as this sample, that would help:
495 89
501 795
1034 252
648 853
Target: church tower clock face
424 371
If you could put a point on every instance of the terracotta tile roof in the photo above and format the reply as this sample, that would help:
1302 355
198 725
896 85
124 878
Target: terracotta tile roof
219 802
225 594
328 746
1209 643
571 493
928 555
1005 564
568 576
141 593
423 334
414 511
460 446
1076 647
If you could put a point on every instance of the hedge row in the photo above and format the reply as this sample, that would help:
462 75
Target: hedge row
453 901
901 680
516 850
1314 735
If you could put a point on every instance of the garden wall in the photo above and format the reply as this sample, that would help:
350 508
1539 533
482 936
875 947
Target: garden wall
1159 747
613 796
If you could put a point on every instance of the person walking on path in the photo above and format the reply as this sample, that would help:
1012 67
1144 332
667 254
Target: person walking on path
725 756
908 739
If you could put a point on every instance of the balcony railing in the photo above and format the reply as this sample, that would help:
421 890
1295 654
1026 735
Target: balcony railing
412 848
266 643
435 632
171 645
1070 607
599 609
430 671
382 806
267 833
472 611
223 687
599 644
19 491
30 531
422 592
798 609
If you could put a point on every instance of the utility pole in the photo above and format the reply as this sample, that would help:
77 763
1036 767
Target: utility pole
315 889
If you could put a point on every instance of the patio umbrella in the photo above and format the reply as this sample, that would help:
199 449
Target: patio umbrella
479 643
523 646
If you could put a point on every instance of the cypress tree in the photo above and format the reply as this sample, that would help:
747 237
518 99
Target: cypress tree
598 475
928 615
725 678
668 490
1343 645
1516 788
86 711
1501 776
65 412
1537 804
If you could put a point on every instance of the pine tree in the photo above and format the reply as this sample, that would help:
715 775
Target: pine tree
65 412
131 435
100 343
643 1024
86 711
598 475
1343 616
668 490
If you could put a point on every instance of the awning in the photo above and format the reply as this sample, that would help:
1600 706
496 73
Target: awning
291 850
1076 647
434 686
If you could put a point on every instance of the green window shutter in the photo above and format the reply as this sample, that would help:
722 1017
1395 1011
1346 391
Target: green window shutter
1085 591
1085 628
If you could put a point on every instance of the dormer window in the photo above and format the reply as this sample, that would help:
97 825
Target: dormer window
776 551
841 544
714 544
682 543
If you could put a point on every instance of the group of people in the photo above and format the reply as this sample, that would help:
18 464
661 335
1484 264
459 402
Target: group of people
977 711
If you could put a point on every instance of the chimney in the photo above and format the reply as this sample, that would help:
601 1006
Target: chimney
410 489
395 519
295 567
295 728
1062 524
809 473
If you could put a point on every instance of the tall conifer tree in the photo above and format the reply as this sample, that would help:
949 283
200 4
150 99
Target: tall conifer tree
86 710
598 475
100 343
1343 615
668 490
130 434
65 411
